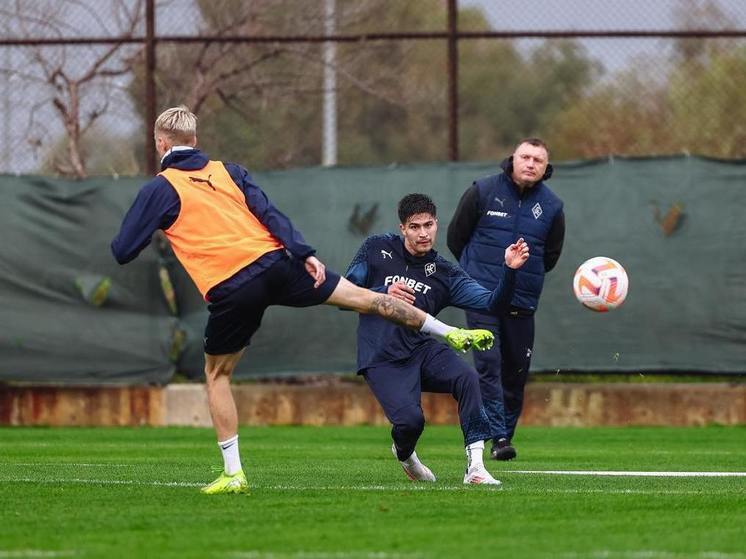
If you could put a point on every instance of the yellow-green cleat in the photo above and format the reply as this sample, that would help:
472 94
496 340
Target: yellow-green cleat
227 484
463 340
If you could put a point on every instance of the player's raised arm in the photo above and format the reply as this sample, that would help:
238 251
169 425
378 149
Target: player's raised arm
155 207
467 293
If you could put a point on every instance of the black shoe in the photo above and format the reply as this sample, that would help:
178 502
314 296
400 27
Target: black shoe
501 450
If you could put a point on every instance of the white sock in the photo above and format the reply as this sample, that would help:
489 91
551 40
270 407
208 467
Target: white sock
474 455
435 327
231 459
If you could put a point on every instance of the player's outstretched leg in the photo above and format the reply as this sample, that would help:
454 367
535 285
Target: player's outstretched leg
415 470
349 296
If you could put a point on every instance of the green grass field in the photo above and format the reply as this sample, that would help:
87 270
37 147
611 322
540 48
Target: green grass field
337 492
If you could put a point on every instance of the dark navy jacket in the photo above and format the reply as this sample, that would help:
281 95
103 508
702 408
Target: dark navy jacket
491 215
157 206
438 283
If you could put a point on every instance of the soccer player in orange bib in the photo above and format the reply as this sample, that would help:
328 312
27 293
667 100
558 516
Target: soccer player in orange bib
244 255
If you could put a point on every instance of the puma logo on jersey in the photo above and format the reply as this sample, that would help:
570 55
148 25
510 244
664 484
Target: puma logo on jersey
385 254
415 285
205 181
501 202
497 214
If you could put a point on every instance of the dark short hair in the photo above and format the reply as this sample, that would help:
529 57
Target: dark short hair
413 204
536 142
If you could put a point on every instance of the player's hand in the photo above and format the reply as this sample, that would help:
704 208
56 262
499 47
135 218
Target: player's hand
402 291
316 270
516 254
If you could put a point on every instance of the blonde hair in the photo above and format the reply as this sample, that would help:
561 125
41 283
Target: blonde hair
179 124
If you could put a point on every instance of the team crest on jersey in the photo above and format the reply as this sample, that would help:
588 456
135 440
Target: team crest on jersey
537 211
429 269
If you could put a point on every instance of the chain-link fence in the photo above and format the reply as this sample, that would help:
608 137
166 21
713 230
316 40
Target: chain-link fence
284 83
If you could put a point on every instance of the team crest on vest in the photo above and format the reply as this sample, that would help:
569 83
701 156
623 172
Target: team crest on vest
429 269
537 211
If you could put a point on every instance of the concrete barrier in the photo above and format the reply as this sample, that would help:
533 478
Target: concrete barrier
349 403
59 405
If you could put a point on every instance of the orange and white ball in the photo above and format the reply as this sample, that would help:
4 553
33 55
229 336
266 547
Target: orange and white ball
600 284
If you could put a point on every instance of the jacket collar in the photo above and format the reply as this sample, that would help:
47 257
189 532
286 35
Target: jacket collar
185 159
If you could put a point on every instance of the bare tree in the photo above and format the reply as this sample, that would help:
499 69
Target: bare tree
700 14
78 83
230 71
274 89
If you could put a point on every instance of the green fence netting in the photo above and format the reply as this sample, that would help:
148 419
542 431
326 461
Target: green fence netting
71 314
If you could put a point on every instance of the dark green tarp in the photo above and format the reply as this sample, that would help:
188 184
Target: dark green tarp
71 314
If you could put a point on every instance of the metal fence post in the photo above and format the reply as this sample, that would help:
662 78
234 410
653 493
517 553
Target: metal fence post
453 154
150 95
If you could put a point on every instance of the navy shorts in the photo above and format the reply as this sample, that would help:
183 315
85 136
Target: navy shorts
235 317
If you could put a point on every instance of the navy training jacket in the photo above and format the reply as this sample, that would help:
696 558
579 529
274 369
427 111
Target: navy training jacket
438 283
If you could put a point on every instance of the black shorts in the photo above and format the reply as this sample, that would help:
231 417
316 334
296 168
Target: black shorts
234 318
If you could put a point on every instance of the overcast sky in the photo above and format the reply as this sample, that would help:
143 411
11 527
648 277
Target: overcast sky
638 15
593 14
614 54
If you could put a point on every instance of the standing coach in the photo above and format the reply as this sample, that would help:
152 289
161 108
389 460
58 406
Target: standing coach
491 215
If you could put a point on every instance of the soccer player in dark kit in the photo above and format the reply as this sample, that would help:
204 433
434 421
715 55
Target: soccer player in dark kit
399 364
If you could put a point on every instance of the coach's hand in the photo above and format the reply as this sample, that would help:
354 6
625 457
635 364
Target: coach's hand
316 270
401 290
516 254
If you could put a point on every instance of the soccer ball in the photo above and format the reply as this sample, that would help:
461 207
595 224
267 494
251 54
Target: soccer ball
601 284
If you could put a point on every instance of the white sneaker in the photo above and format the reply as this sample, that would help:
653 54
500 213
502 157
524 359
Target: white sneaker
480 476
415 470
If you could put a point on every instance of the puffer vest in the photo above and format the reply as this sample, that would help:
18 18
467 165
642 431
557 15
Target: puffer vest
505 217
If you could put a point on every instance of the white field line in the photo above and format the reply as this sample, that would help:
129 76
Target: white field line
650 554
599 554
608 473
101 482
428 487
323 555
370 488
71 464
255 487
625 473
18 553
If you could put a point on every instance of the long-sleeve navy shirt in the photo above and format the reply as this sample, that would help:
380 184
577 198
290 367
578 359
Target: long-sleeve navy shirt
157 206
383 260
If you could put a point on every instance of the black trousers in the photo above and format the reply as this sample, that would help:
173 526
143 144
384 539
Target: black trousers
434 367
503 370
